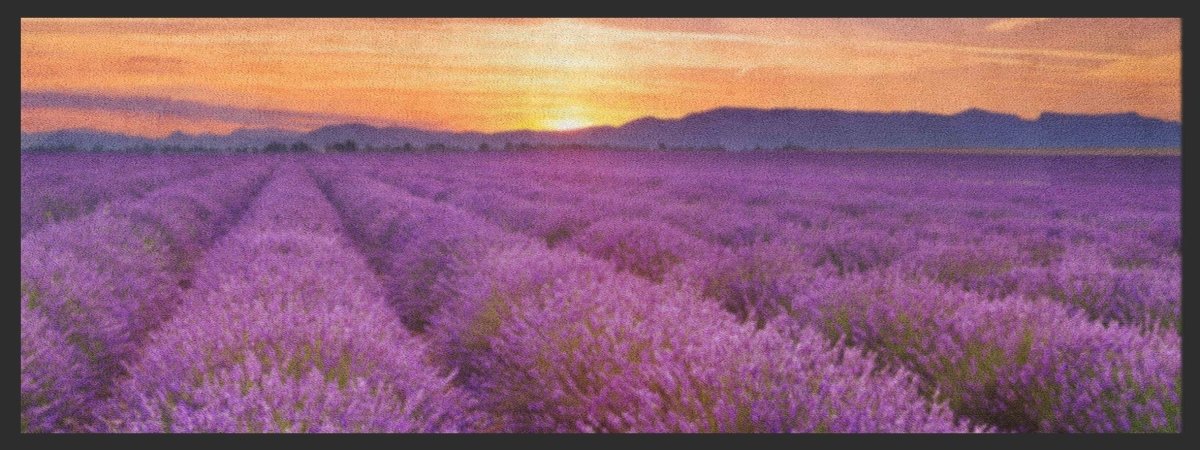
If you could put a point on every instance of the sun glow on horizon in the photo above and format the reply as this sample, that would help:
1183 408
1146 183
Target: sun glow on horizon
156 76
567 124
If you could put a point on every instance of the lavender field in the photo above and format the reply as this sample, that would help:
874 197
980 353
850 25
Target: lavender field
601 291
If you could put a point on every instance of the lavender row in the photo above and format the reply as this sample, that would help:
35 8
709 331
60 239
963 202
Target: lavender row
57 188
285 331
813 199
103 281
1021 365
553 341
56 382
880 204
1110 283
758 280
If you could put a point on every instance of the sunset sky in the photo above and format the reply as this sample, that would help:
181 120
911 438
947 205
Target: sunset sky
154 76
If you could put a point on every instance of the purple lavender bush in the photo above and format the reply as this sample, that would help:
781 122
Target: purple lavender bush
555 342
416 246
287 331
106 279
1021 365
55 377
56 188
754 282
643 248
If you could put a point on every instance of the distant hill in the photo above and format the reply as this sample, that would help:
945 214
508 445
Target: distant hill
732 128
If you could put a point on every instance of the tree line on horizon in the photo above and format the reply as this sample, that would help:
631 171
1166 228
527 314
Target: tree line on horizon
351 146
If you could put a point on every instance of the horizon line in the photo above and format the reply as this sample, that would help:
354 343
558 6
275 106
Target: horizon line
380 123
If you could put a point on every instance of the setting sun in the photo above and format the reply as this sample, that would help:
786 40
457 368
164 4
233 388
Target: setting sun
568 123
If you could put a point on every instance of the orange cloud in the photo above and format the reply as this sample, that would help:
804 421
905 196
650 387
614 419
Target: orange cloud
1013 24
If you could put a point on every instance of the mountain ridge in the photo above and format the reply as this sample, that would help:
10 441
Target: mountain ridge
728 127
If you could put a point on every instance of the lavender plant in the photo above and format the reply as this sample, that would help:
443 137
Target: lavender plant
286 332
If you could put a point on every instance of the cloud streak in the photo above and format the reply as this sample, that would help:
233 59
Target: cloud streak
190 110
1013 24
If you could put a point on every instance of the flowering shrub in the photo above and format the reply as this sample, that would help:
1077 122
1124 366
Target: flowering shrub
1021 365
